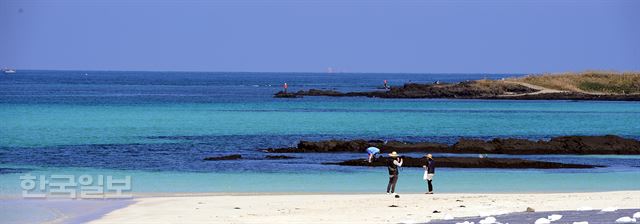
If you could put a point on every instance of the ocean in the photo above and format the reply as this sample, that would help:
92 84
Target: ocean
158 126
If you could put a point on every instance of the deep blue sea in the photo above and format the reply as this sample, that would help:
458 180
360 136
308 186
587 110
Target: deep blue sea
158 126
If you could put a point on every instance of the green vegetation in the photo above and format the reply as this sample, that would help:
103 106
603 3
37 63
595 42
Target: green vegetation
588 82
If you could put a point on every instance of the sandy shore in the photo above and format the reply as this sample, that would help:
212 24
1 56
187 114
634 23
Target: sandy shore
353 208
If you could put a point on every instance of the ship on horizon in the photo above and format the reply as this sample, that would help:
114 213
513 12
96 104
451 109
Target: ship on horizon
8 71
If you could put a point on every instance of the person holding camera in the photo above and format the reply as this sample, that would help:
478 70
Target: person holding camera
393 165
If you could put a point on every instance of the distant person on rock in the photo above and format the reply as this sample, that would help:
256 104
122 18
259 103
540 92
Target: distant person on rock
285 86
373 152
429 171
393 165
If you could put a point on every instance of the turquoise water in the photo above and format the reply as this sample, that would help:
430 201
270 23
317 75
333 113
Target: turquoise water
50 125
157 127
359 180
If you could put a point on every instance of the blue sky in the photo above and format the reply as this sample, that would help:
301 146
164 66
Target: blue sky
452 36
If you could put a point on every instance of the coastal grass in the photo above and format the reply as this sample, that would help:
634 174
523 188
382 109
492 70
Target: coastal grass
588 82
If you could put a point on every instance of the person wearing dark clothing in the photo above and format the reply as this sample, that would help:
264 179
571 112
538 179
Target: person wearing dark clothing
393 165
429 171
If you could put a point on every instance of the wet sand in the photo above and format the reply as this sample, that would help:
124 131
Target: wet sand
17 210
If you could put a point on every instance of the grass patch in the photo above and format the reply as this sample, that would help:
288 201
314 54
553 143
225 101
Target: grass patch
591 82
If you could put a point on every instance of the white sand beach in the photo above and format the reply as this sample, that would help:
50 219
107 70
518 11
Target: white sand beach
353 208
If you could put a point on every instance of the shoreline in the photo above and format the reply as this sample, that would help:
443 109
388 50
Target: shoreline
559 96
592 86
57 210
353 207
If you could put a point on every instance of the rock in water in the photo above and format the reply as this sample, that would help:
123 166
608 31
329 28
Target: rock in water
279 157
282 94
607 144
479 89
469 162
229 157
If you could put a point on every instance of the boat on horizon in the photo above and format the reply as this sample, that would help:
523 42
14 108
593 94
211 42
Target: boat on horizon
8 71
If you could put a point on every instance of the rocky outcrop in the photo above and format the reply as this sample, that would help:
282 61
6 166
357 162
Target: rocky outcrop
609 144
279 157
360 145
480 89
469 162
469 89
282 94
228 157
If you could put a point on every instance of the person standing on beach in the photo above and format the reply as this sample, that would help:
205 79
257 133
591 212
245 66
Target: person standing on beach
393 165
373 152
429 171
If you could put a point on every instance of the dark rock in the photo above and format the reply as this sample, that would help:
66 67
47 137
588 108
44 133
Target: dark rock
469 162
609 144
279 157
282 94
229 157
480 89
469 89
360 145
318 92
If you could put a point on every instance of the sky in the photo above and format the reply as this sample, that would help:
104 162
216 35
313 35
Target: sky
408 36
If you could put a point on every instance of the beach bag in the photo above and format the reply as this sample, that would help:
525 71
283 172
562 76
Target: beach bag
425 176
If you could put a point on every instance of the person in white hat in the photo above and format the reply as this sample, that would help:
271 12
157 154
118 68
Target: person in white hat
393 165
429 171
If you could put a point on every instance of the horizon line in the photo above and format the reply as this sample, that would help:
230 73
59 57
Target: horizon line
316 72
